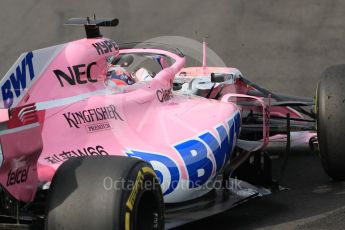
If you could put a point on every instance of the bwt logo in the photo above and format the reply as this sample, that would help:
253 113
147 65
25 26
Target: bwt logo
76 74
15 85
194 154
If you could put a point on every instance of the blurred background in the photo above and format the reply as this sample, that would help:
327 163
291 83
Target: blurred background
283 45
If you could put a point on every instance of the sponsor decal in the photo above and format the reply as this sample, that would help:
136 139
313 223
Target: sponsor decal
133 196
76 74
92 115
98 127
65 155
18 176
164 95
105 46
195 154
18 81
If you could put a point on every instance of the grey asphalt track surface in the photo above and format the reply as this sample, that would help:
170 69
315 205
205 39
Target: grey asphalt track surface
281 44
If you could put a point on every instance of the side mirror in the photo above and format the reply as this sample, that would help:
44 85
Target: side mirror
221 77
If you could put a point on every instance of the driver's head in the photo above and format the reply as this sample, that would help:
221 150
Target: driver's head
119 76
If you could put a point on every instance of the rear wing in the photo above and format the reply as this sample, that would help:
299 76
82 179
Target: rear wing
21 145
92 25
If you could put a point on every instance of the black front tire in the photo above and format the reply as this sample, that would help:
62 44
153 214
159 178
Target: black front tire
330 109
105 193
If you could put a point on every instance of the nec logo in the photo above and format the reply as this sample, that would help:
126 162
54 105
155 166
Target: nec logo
105 46
17 82
75 74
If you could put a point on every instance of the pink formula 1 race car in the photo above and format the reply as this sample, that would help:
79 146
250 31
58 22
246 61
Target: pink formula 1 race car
97 137
86 144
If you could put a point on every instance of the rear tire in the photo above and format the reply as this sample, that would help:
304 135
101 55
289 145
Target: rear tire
105 193
330 109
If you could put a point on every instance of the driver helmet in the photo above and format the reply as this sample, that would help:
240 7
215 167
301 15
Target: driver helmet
119 76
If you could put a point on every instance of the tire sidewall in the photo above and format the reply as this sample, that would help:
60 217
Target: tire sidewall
84 184
141 180
330 107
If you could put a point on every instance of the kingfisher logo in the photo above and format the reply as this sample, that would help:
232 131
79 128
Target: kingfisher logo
92 115
18 81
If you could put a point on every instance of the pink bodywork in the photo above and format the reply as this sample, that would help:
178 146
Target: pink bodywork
238 88
238 91
135 119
